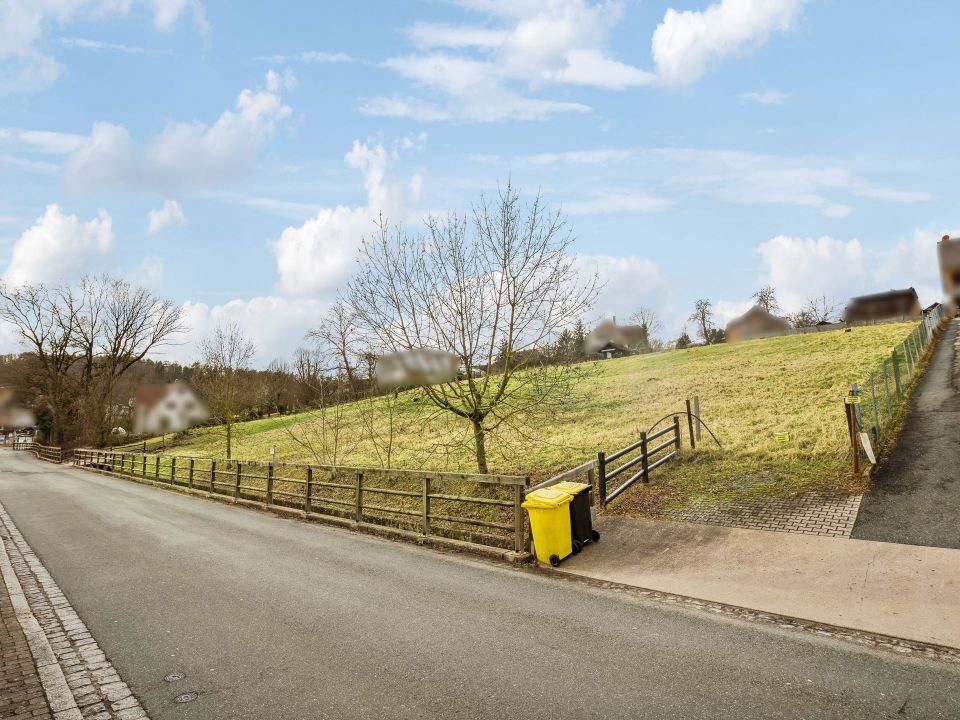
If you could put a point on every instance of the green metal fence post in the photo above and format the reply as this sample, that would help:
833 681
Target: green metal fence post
896 372
873 400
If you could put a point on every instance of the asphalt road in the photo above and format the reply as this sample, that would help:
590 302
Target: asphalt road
276 618
915 494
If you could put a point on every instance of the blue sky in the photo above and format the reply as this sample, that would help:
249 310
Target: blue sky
231 156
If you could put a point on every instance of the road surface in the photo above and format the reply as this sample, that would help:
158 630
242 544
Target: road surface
915 494
276 618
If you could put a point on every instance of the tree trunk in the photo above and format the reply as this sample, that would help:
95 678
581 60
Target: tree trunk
480 439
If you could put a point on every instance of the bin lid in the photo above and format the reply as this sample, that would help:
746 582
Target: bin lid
574 488
546 498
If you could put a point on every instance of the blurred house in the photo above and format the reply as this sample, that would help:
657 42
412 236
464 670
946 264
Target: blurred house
891 305
948 249
756 323
166 408
610 340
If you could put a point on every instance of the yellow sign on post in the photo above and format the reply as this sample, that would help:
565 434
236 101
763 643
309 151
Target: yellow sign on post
781 437
852 399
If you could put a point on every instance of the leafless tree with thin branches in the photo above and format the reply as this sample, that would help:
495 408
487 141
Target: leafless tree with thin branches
223 355
493 287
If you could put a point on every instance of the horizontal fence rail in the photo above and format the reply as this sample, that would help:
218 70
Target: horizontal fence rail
477 509
649 457
879 397
50 453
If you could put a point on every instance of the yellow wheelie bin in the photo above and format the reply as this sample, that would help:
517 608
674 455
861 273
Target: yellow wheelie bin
549 511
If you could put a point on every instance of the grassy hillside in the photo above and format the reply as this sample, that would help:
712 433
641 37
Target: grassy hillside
748 391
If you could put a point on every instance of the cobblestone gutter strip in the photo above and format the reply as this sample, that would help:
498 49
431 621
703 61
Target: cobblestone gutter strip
910 648
80 682
807 515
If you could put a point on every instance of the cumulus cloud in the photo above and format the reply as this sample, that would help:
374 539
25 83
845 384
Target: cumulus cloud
184 154
627 283
25 67
801 268
168 214
317 255
58 247
482 73
686 43
276 325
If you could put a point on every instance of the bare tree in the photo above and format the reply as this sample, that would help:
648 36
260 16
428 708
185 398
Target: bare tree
337 341
85 338
495 283
817 310
649 322
224 354
766 298
702 315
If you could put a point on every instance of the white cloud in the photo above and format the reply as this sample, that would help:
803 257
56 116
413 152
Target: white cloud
276 325
685 44
628 282
801 268
88 44
184 154
724 310
41 141
151 270
913 262
170 213
316 256
617 201
59 247
485 74
308 56
764 97
24 67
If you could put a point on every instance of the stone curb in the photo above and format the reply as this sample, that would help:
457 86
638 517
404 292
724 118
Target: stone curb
90 688
59 697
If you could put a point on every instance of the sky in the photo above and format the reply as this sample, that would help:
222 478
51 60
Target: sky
232 156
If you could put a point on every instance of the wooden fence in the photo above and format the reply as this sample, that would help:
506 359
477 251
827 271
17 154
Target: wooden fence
50 453
647 457
477 509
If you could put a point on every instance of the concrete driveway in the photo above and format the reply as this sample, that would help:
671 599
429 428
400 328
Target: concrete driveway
915 496
273 618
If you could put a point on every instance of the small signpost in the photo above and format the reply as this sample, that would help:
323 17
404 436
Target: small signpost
781 437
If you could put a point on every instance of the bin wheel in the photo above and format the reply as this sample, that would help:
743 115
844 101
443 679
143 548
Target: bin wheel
577 546
595 536
555 560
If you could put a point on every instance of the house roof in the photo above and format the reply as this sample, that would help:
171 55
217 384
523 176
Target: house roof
757 314
613 346
904 294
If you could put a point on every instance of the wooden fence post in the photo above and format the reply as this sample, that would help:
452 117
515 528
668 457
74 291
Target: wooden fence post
156 468
644 461
236 486
426 506
358 497
308 490
676 432
851 429
190 475
873 399
270 484
144 465
213 475
693 442
518 516
602 479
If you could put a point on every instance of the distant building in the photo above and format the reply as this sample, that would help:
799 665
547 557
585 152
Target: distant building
948 250
166 408
756 323
610 340
891 305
